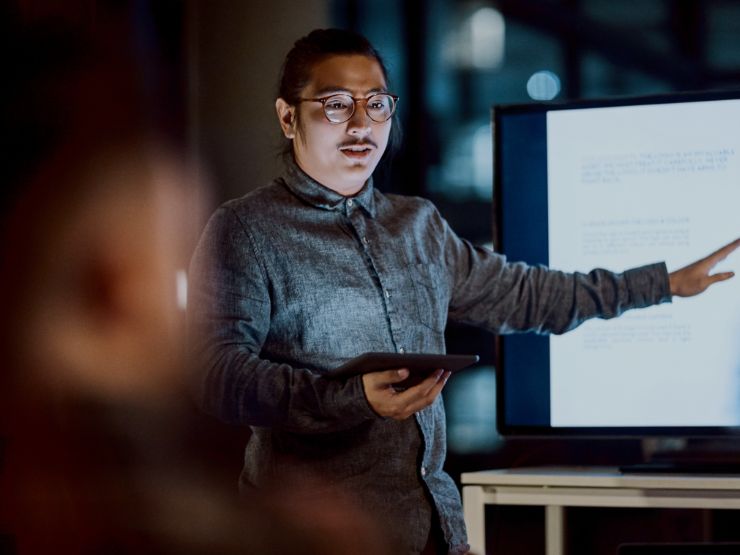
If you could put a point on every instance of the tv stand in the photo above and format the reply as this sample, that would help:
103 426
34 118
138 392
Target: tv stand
556 488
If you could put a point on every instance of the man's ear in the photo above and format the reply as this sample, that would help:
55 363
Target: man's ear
287 116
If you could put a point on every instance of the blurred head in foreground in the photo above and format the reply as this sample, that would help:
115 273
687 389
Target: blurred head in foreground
99 215
99 212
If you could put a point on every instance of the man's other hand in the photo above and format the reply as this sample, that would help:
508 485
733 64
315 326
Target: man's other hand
695 278
399 405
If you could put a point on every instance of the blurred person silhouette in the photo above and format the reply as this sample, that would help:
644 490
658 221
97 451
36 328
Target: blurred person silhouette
96 213
100 210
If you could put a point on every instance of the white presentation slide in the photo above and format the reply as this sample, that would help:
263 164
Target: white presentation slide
628 186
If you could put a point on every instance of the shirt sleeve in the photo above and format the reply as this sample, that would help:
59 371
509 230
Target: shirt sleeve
504 297
228 319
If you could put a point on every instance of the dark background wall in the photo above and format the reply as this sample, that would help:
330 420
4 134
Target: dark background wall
235 51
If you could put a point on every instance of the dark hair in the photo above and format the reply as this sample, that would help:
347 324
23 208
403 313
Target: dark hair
316 47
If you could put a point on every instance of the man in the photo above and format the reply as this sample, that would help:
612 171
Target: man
297 277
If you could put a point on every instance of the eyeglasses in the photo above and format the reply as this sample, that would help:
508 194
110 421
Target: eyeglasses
339 108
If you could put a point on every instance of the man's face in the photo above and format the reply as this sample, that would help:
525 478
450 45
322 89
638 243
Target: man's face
341 156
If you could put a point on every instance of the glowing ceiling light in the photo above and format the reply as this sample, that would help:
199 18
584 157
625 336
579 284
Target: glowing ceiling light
487 37
543 85
478 41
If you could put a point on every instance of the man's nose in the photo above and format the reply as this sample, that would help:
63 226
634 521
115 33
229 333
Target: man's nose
359 124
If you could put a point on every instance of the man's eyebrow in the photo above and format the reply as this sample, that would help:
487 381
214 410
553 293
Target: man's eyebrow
324 91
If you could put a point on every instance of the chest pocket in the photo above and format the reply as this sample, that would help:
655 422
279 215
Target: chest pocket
431 294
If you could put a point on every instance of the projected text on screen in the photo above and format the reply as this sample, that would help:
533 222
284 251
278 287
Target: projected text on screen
633 185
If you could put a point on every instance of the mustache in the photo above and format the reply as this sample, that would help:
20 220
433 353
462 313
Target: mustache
365 142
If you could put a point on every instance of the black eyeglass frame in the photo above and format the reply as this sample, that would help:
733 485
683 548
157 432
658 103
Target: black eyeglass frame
323 100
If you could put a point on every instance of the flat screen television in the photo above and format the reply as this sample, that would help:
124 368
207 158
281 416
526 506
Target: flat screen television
615 184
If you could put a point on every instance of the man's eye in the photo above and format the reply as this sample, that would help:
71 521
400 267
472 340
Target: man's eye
337 104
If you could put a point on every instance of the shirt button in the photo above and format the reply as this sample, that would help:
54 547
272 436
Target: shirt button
401 350
423 470
386 293
364 240
350 202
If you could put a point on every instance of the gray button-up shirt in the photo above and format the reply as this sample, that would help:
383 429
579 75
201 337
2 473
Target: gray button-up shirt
293 279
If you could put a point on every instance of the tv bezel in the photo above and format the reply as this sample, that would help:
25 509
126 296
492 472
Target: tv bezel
625 432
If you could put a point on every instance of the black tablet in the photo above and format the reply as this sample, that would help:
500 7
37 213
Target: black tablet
420 365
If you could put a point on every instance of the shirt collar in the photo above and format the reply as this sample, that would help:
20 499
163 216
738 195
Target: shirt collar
313 192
